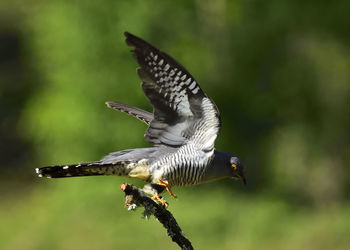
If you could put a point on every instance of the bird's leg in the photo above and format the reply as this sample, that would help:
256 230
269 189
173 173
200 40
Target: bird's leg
167 186
157 198
154 190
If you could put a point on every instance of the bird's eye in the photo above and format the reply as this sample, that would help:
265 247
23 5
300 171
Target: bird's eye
234 166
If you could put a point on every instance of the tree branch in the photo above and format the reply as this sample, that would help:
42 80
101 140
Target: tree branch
135 197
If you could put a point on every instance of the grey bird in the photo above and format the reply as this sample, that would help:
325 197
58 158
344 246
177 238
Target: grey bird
182 129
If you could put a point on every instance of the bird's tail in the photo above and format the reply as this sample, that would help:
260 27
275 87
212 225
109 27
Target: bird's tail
121 168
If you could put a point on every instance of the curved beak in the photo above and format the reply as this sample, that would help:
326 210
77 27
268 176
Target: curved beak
244 180
241 176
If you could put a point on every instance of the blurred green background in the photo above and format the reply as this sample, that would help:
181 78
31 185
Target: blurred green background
279 71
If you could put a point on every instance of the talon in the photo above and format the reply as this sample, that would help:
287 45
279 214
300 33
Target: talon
157 198
166 185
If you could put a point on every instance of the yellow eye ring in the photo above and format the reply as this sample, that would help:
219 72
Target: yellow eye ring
234 166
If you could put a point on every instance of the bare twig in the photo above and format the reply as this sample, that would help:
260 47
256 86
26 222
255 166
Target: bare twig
135 197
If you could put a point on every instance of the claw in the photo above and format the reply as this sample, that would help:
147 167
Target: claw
167 186
157 198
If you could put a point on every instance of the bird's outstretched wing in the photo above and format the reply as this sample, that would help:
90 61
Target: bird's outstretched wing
182 111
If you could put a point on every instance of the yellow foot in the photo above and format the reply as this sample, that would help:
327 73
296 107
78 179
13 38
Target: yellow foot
166 185
157 198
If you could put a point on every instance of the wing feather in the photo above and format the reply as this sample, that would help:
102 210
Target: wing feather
182 111
140 114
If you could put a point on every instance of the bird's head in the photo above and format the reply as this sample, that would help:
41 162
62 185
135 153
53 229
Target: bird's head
237 168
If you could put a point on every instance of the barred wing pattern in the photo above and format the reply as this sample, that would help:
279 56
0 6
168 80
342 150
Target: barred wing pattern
182 112
140 114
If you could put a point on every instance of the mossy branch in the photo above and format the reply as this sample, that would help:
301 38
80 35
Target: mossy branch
135 197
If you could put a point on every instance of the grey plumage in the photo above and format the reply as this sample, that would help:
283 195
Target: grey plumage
182 129
140 114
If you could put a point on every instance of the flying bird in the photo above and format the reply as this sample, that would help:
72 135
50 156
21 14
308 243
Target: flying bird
182 129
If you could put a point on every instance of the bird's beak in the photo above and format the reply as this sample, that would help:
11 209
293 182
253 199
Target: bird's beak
244 180
241 176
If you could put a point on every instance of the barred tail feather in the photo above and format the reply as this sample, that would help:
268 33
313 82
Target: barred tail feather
84 169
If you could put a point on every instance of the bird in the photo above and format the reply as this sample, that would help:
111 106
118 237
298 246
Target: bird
182 130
